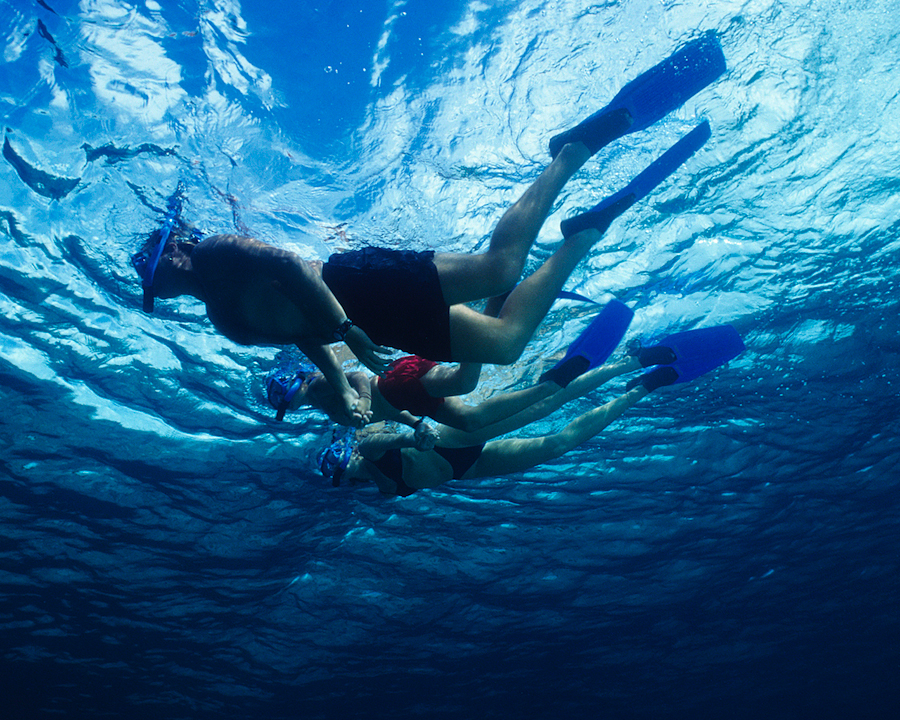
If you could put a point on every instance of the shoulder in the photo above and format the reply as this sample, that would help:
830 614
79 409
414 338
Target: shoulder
228 243
238 247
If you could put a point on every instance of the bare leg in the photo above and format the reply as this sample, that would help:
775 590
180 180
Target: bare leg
471 418
502 457
443 381
477 338
465 278
540 408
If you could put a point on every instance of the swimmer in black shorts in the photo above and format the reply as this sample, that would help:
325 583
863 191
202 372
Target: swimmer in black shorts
257 294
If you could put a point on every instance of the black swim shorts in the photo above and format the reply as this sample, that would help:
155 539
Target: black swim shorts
395 297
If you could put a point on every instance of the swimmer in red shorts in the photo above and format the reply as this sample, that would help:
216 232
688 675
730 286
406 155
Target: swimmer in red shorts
411 389
414 386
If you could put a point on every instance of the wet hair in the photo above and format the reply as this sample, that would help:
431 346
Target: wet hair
185 236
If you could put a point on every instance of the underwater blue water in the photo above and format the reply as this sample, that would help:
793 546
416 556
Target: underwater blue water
728 549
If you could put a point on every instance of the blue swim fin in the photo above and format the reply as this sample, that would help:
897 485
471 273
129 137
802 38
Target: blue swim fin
603 213
696 352
651 96
702 350
594 345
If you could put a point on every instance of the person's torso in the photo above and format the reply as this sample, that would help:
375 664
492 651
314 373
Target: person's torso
248 307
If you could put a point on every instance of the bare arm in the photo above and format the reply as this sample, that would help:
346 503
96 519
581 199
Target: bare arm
223 260
373 446
224 257
367 352
304 286
425 435
323 357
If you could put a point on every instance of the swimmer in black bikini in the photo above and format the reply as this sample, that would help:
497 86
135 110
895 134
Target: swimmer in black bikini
390 460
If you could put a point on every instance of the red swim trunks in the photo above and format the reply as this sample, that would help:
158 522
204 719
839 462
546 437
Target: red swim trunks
401 386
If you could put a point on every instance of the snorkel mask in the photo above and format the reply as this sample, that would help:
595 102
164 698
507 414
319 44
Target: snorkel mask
334 459
282 385
146 261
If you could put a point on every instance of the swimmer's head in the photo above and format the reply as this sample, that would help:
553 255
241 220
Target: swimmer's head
282 385
174 234
334 459
146 260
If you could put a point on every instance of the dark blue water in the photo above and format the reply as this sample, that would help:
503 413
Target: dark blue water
726 550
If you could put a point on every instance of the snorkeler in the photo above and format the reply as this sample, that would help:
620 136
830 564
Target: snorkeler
406 394
396 464
258 294
411 389
414 388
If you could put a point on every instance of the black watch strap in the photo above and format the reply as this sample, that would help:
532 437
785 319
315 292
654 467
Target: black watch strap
342 330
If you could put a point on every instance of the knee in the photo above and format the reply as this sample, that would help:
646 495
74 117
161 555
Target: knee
467 423
508 350
504 273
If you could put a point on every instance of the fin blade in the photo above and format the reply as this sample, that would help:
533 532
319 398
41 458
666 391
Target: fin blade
669 161
702 350
603 334
668 85
640 186
594 345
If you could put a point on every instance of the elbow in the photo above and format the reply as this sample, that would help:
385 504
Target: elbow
468 382
467 420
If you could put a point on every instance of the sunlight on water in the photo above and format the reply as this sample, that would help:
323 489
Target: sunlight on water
170 547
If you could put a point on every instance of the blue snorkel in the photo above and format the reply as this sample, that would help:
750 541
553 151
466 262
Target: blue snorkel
146 262
284 381
281 388
334 459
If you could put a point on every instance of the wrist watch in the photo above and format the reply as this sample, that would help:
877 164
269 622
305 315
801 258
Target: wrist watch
342 330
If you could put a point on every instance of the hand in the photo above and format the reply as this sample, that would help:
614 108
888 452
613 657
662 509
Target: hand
367 352
363 412
425 437
361 419
356 409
